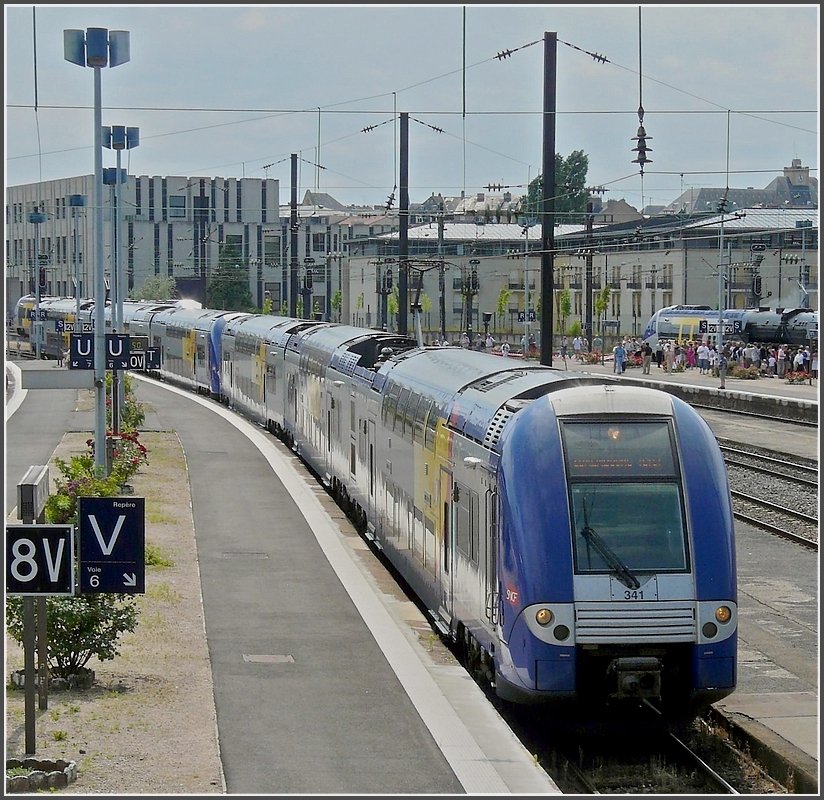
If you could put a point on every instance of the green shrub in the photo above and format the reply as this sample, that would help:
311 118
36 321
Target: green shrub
78 479
87 625
132 413
79 628
156 558
747 373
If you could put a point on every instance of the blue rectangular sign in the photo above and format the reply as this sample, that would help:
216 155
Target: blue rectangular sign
81 351
117 351
112 545
39 559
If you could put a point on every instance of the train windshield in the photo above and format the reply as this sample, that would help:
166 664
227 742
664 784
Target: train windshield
625 498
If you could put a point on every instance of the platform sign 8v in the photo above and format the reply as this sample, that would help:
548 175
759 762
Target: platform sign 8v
39 559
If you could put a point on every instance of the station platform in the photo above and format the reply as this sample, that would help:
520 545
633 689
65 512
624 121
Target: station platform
775 397
456 741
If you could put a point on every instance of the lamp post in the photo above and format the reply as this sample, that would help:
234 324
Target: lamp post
76 201
336 256
119 138
113 178
306 290
97 48
719 339
36 217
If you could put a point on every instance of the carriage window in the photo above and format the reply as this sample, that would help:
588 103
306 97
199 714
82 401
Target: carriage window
390 403
466 522
625 498
431 426
401 410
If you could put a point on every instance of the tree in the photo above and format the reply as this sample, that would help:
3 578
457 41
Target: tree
87 625
228 288
155 288
393 304
570 193
601 304
502 305
564 307
337 300
79 628
426 306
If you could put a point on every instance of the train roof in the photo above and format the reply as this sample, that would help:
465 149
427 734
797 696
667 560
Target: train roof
477 391
351 350
183 317
272 329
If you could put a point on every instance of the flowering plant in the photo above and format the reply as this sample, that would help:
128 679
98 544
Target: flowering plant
746 373
128 454
796 377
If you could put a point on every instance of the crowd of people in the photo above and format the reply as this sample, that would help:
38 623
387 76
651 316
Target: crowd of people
771 360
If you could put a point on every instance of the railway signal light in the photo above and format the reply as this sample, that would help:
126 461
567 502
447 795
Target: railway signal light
42 278
756 286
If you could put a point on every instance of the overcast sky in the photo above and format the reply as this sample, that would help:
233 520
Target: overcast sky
232 91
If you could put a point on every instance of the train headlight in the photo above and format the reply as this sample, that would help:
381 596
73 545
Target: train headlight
543 616
561 633
709 629
723 614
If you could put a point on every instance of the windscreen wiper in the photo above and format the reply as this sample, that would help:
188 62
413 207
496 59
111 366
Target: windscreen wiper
618 567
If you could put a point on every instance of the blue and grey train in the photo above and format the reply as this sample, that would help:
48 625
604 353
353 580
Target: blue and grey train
794 326
55 312
572 535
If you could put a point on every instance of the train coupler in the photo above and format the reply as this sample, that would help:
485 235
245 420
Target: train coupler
635 677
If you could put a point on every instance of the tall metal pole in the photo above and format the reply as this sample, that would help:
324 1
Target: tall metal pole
36 217
720 336
588 277
76 201
98 48
526 287
403 228
118 387
441 275
99 286
293 240
548 199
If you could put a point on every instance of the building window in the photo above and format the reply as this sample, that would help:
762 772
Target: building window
177 207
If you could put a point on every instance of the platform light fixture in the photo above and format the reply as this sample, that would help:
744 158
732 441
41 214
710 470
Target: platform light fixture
97 48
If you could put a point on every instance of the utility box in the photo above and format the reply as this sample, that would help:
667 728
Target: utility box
32 493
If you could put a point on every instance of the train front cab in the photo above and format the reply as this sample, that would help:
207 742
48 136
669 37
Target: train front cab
617 564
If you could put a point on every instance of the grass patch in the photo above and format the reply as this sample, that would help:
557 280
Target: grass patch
155 557
159 518
163 593
16 772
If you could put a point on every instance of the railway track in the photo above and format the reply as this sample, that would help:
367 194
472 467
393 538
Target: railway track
774 493
639 755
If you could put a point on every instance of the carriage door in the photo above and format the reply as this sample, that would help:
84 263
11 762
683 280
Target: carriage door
447 544
332 431
491 563
370 444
